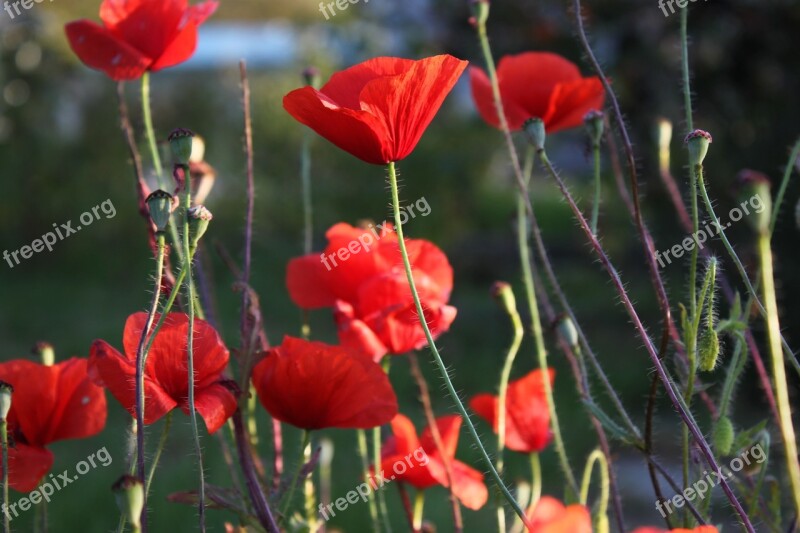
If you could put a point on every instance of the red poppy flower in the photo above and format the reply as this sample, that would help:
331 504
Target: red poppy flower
138 35
416 461
698 529
312 385
166 379
551 516
377 110
361 275
527 415
537 85
49 403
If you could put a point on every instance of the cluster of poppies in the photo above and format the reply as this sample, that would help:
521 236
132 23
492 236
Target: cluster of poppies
378 111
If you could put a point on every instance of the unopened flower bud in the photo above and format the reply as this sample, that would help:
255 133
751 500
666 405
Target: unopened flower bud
697 142
534 130
311 77
199 217
180 142
566 328
754 187
505 296
6 391
708 349
723 435
161 204
129 493
480 12
595 122
44 350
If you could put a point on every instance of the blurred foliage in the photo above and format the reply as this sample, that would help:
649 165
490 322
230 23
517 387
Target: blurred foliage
62 153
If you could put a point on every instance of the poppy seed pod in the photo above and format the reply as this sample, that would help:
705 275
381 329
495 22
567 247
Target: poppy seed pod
534 130
502 291
723 435
129 493
44 350
566 328
199 217
480 12
6 391
755 187
697 143
595 123
180 142
160 204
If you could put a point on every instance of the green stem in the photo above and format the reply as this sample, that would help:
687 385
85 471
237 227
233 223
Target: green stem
778 369
376 460
735 368
162 442
310 496
4 443
363 452
187 267
419 505
435 352
148 127
596 457
305 442
787 173
687 90
597 187
536 479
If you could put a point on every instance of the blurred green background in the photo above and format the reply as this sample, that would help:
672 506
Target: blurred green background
61 153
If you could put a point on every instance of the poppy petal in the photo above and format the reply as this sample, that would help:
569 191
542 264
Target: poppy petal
449 427
27 465
483 96
110 369
355 334
215 404
356 132
308 283
98 48
179 49
570 102
147 26
198 13
468 484
81 404
407 103
345 86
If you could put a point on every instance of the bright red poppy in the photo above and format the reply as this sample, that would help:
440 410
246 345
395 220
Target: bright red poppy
537 85
416 461
166 380
361 275
527 415
312 385
49 403
139 35
551 516
377 110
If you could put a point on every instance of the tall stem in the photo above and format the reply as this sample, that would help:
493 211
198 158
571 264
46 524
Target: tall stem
363 452
162 442
435 352
4 443
419 505
187 267
778 369
596 457
597 186
536 479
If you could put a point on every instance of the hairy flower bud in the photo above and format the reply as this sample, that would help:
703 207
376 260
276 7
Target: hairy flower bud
566 328
723 435
697 143
534 130
505 296
161 204
595 122
129 493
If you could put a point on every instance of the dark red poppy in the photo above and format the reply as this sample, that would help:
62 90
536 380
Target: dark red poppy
527 415
551 516
361 275
537 85
166 380
312 385
139 35
49 403
416 461
377 110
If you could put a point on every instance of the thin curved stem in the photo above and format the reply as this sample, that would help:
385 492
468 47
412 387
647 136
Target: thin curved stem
435 352
596 457
778 370
187 267
619 286
787 174
363 452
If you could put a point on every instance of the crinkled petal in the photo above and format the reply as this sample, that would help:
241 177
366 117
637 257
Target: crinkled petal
99 49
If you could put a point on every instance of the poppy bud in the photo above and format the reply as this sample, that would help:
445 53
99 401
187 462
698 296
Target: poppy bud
664 137
697 142
44 350
708 349
480 12
161 204
723 435
502 291
6 391
566 328
180 142
594 121
754 187
129 493
199 217
311 77
534 129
